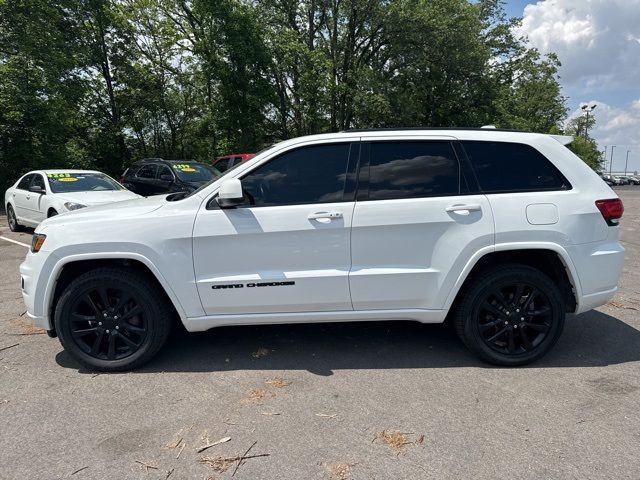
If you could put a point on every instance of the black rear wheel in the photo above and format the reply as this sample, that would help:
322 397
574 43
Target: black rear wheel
12 220
511 315
113 319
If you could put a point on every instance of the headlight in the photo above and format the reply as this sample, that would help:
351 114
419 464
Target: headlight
73 206
37 240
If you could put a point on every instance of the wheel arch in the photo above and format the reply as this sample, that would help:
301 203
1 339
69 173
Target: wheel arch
67 269
551 259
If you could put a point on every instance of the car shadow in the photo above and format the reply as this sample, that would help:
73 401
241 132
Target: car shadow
593 339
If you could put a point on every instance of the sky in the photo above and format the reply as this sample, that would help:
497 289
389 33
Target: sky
598 43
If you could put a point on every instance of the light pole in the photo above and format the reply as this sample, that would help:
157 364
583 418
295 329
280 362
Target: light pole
611 164
588 109
626 162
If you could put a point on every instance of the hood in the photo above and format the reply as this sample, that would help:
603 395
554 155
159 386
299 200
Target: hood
97 198
122 209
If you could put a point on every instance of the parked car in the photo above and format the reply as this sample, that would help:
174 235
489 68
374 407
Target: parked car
635 180
502 232
44 193
155 176
607 179
227 162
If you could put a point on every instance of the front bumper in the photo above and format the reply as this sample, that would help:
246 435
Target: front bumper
34 288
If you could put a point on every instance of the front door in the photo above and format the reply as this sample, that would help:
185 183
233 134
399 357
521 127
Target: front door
416 224
288 248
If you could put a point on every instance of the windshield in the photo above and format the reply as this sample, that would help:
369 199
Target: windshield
181 195
195 172
81 182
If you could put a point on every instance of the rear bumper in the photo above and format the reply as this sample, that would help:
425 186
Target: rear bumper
599 267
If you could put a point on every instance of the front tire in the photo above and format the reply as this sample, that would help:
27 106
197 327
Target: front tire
12 220
511 315
52 213
113 319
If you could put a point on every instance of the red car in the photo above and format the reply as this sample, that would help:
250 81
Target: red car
227 162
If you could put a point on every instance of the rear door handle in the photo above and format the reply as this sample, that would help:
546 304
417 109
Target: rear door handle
324 215
464 209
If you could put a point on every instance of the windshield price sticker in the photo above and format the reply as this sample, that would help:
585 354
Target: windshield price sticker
185 167
62 177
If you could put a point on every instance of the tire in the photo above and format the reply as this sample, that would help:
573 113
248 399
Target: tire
52 213
488 306
14 226
113 306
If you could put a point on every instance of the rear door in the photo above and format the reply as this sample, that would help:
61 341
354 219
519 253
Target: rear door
20 194
144 179
418 220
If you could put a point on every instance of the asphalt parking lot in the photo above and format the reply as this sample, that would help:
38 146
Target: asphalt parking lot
357 401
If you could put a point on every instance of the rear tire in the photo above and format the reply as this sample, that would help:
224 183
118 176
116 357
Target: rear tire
113 319
12 220
510 315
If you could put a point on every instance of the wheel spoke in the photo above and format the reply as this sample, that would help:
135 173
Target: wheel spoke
133 328
111 353
85 331
95 348
526 343
511 346
540 327
492 308
518 293
77 317
497 335
122 301
89 301
488 325
131 313
104 298
540 312
128 341
534 293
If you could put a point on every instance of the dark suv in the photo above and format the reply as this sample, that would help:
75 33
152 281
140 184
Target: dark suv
154 176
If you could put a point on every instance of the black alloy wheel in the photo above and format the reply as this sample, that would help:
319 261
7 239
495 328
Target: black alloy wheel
108 323
113 318
510 315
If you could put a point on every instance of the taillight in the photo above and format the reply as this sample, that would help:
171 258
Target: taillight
611 210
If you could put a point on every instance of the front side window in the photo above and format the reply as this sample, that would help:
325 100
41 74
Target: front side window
314 174
412 170
25 182
81 182
38 181
164 170
512 167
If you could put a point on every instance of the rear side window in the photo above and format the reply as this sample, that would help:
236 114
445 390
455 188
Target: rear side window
147 171
412 170
512 167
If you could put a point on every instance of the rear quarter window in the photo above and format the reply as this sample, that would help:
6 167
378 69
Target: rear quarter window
502 167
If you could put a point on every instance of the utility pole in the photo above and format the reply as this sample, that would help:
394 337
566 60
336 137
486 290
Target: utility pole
588 109
611 164
626 162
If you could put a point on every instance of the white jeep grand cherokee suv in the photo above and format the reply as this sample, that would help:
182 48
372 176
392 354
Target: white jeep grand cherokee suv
502 232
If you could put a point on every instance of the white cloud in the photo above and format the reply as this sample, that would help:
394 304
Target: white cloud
597 41
617 126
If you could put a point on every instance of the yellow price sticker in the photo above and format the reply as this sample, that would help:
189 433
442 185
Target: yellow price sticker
67 179
189 169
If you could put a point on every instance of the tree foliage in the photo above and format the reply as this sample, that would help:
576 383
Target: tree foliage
100 83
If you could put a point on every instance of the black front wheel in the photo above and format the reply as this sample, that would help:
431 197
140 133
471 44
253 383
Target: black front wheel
511 315
113 319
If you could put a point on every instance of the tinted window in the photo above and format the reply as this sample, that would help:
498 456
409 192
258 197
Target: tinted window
164 170
25 182
38 181
308 175
222 164
412 169
81 182
236 161
512 167
147 171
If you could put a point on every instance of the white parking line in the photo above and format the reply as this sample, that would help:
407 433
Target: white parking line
14 241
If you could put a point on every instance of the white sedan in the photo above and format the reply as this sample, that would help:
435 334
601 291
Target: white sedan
44 193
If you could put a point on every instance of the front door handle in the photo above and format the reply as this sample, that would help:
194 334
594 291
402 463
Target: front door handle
463 209
324 215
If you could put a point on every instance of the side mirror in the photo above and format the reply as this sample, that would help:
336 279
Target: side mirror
37 189
165 177
230 194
